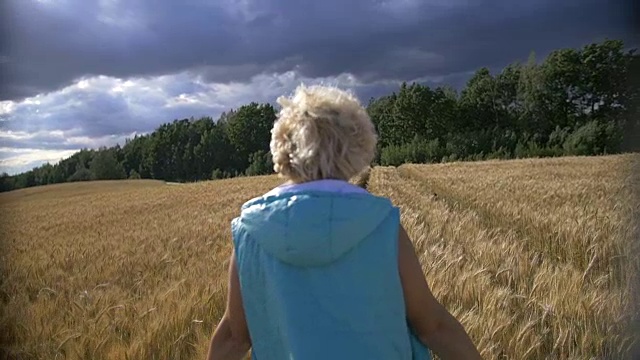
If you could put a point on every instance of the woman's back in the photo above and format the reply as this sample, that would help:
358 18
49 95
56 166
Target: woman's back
319 275
322 269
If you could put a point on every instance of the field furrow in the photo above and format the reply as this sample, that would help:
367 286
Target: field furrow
569 210
516 301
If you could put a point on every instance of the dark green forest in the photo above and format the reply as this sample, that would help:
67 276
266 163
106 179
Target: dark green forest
575 102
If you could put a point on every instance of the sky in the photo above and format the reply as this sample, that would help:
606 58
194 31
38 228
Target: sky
88 73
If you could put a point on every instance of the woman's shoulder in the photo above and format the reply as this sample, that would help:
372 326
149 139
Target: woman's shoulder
326 185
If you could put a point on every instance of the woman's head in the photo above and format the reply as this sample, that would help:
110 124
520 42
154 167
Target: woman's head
322 132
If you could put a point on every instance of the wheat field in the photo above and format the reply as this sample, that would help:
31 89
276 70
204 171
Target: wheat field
532 256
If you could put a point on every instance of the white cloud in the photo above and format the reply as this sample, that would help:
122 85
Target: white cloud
103 111
20 160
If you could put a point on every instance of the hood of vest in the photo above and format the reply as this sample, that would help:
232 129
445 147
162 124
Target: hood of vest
312 228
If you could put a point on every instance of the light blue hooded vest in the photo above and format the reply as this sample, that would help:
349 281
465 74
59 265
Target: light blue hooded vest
319 277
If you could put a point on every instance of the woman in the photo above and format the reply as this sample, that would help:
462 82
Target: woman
322 269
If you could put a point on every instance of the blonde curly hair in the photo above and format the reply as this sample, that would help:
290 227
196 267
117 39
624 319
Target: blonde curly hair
322 132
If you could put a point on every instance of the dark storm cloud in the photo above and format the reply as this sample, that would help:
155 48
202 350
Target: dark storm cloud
54 42
464 40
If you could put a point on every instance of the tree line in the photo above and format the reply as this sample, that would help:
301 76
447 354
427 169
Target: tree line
575 102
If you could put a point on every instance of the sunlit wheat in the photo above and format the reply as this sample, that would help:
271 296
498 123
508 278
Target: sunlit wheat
532 256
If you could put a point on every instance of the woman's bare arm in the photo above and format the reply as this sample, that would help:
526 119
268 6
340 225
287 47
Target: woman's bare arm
231 338
434 325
